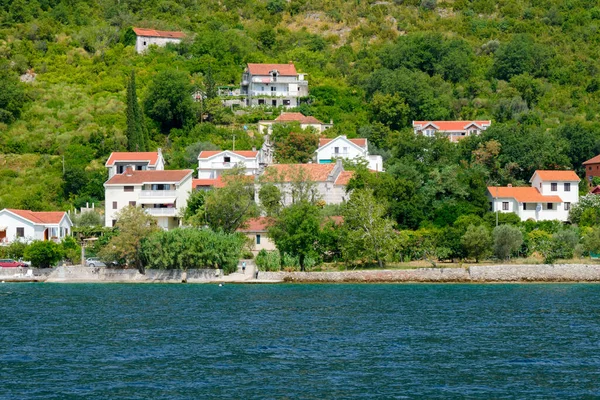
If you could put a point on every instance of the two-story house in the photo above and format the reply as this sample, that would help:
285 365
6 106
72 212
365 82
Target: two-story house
454 130
350 149
162 194
592 169
139 161
212 164
550 197
25 225
273 85
148 37
266 127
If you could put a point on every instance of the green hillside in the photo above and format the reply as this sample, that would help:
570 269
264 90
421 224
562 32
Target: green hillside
373 67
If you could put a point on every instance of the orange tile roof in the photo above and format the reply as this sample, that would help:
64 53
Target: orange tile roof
40 217
155 33
150 156
290 172
296 116
556 175
265 69
359 142
522 194
594 160
452 126
260 224
243 153
344 177
140 177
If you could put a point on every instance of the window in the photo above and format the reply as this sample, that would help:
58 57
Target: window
274 76
161 187
132 203
144 42
274 103
120 169
226 159
262 88
549 206
567 206
20 232
139 167
336 150
257 239
590 168
114 205
524 206
554 186
345 150
567 187
273 89
128 188
114 222
286 102
261 102
505 205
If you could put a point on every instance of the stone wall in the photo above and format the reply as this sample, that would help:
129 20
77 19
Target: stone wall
111 275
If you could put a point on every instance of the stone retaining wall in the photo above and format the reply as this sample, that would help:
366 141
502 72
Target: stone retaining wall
101 274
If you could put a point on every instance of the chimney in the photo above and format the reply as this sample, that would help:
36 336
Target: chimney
253 148
509 185
331 121
129 170
291 62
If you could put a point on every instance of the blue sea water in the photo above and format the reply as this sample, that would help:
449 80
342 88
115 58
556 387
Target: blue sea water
117 341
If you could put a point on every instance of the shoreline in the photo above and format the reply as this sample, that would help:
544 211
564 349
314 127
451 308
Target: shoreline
537 273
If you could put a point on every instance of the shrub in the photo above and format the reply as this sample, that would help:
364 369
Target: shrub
43 254
507 240
477 241
268 260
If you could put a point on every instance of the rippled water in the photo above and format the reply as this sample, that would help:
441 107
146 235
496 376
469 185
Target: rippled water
299 341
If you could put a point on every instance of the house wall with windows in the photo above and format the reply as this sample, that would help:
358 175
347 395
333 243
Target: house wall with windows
273 85
212 164
27 226
148 37
139 161
349 149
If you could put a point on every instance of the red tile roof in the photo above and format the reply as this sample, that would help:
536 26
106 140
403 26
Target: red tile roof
291 172
243 153
296 116
452 126
265 69
336 219
522 194
155 33
259 224
358 142
40 217
594 160
595 190
344 177
140 177
150 156
556 175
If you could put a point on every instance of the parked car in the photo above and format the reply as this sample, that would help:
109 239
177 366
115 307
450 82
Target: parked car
8 263
97 262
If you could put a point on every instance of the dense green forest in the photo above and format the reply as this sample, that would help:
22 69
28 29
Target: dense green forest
373 67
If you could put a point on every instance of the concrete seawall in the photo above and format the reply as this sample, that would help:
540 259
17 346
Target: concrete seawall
111 275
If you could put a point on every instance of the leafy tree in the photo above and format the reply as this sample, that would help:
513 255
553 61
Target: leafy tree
268 260
507 240
297 147
88 218
586 211
390 110
136 135
591 240
520 55
12 97
169 101
71 249
194 210
43 254
16 249
270 199
477 241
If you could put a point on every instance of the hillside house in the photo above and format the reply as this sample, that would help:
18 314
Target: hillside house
550 197
24 225
592 169
162 194
349 149
148 37
255 230
212 164
273 85
139 161
266 127
454 130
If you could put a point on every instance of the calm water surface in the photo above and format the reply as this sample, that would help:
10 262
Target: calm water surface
299 341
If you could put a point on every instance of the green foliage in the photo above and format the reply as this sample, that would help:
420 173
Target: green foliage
477 241
43 254
88 219
12 97
136 132
71 249
169 100
587 211
521 55
507 241
270 199
16 250
268 260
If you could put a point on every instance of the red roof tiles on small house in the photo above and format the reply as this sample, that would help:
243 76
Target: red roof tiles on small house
522 194
291 172
39 217
593 160
242 153
267 69
556 175
359 142
344 178
450 126
150 156
299 117
260 224
140 177
161 34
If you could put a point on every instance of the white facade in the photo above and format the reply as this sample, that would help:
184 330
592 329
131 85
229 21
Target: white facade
149 37
14 226
454 130
349 149
273 85
164 195
139 161
212 164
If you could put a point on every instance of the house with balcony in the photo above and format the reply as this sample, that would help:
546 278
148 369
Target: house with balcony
148 37
266 127
453 130
349 149
273 85
162 194
550 196
139 161
27 226
212 164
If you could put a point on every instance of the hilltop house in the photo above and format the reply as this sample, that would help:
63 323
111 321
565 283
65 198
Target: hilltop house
454 130
592 169
273 85
325 182
139 161
148 37
287 117
162 194
550 197
212 164
33 225
350 149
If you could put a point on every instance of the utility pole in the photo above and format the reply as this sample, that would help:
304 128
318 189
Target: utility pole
233 142
496 205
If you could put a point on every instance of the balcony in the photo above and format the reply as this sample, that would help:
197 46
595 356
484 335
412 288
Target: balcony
258 93
162 212
158 193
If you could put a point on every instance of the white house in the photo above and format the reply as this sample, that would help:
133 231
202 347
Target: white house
33 225
140 161
326 182
550 197
266 127
273 85
454 130
212 164
162 194
147 37
350 149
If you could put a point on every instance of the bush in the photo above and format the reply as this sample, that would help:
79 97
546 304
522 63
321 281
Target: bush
268 260
507 240
477 241
290 262
43 254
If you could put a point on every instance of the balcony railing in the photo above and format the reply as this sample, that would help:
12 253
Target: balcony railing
258 93
158 193
162 212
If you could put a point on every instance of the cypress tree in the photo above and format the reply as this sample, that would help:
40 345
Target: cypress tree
136 132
